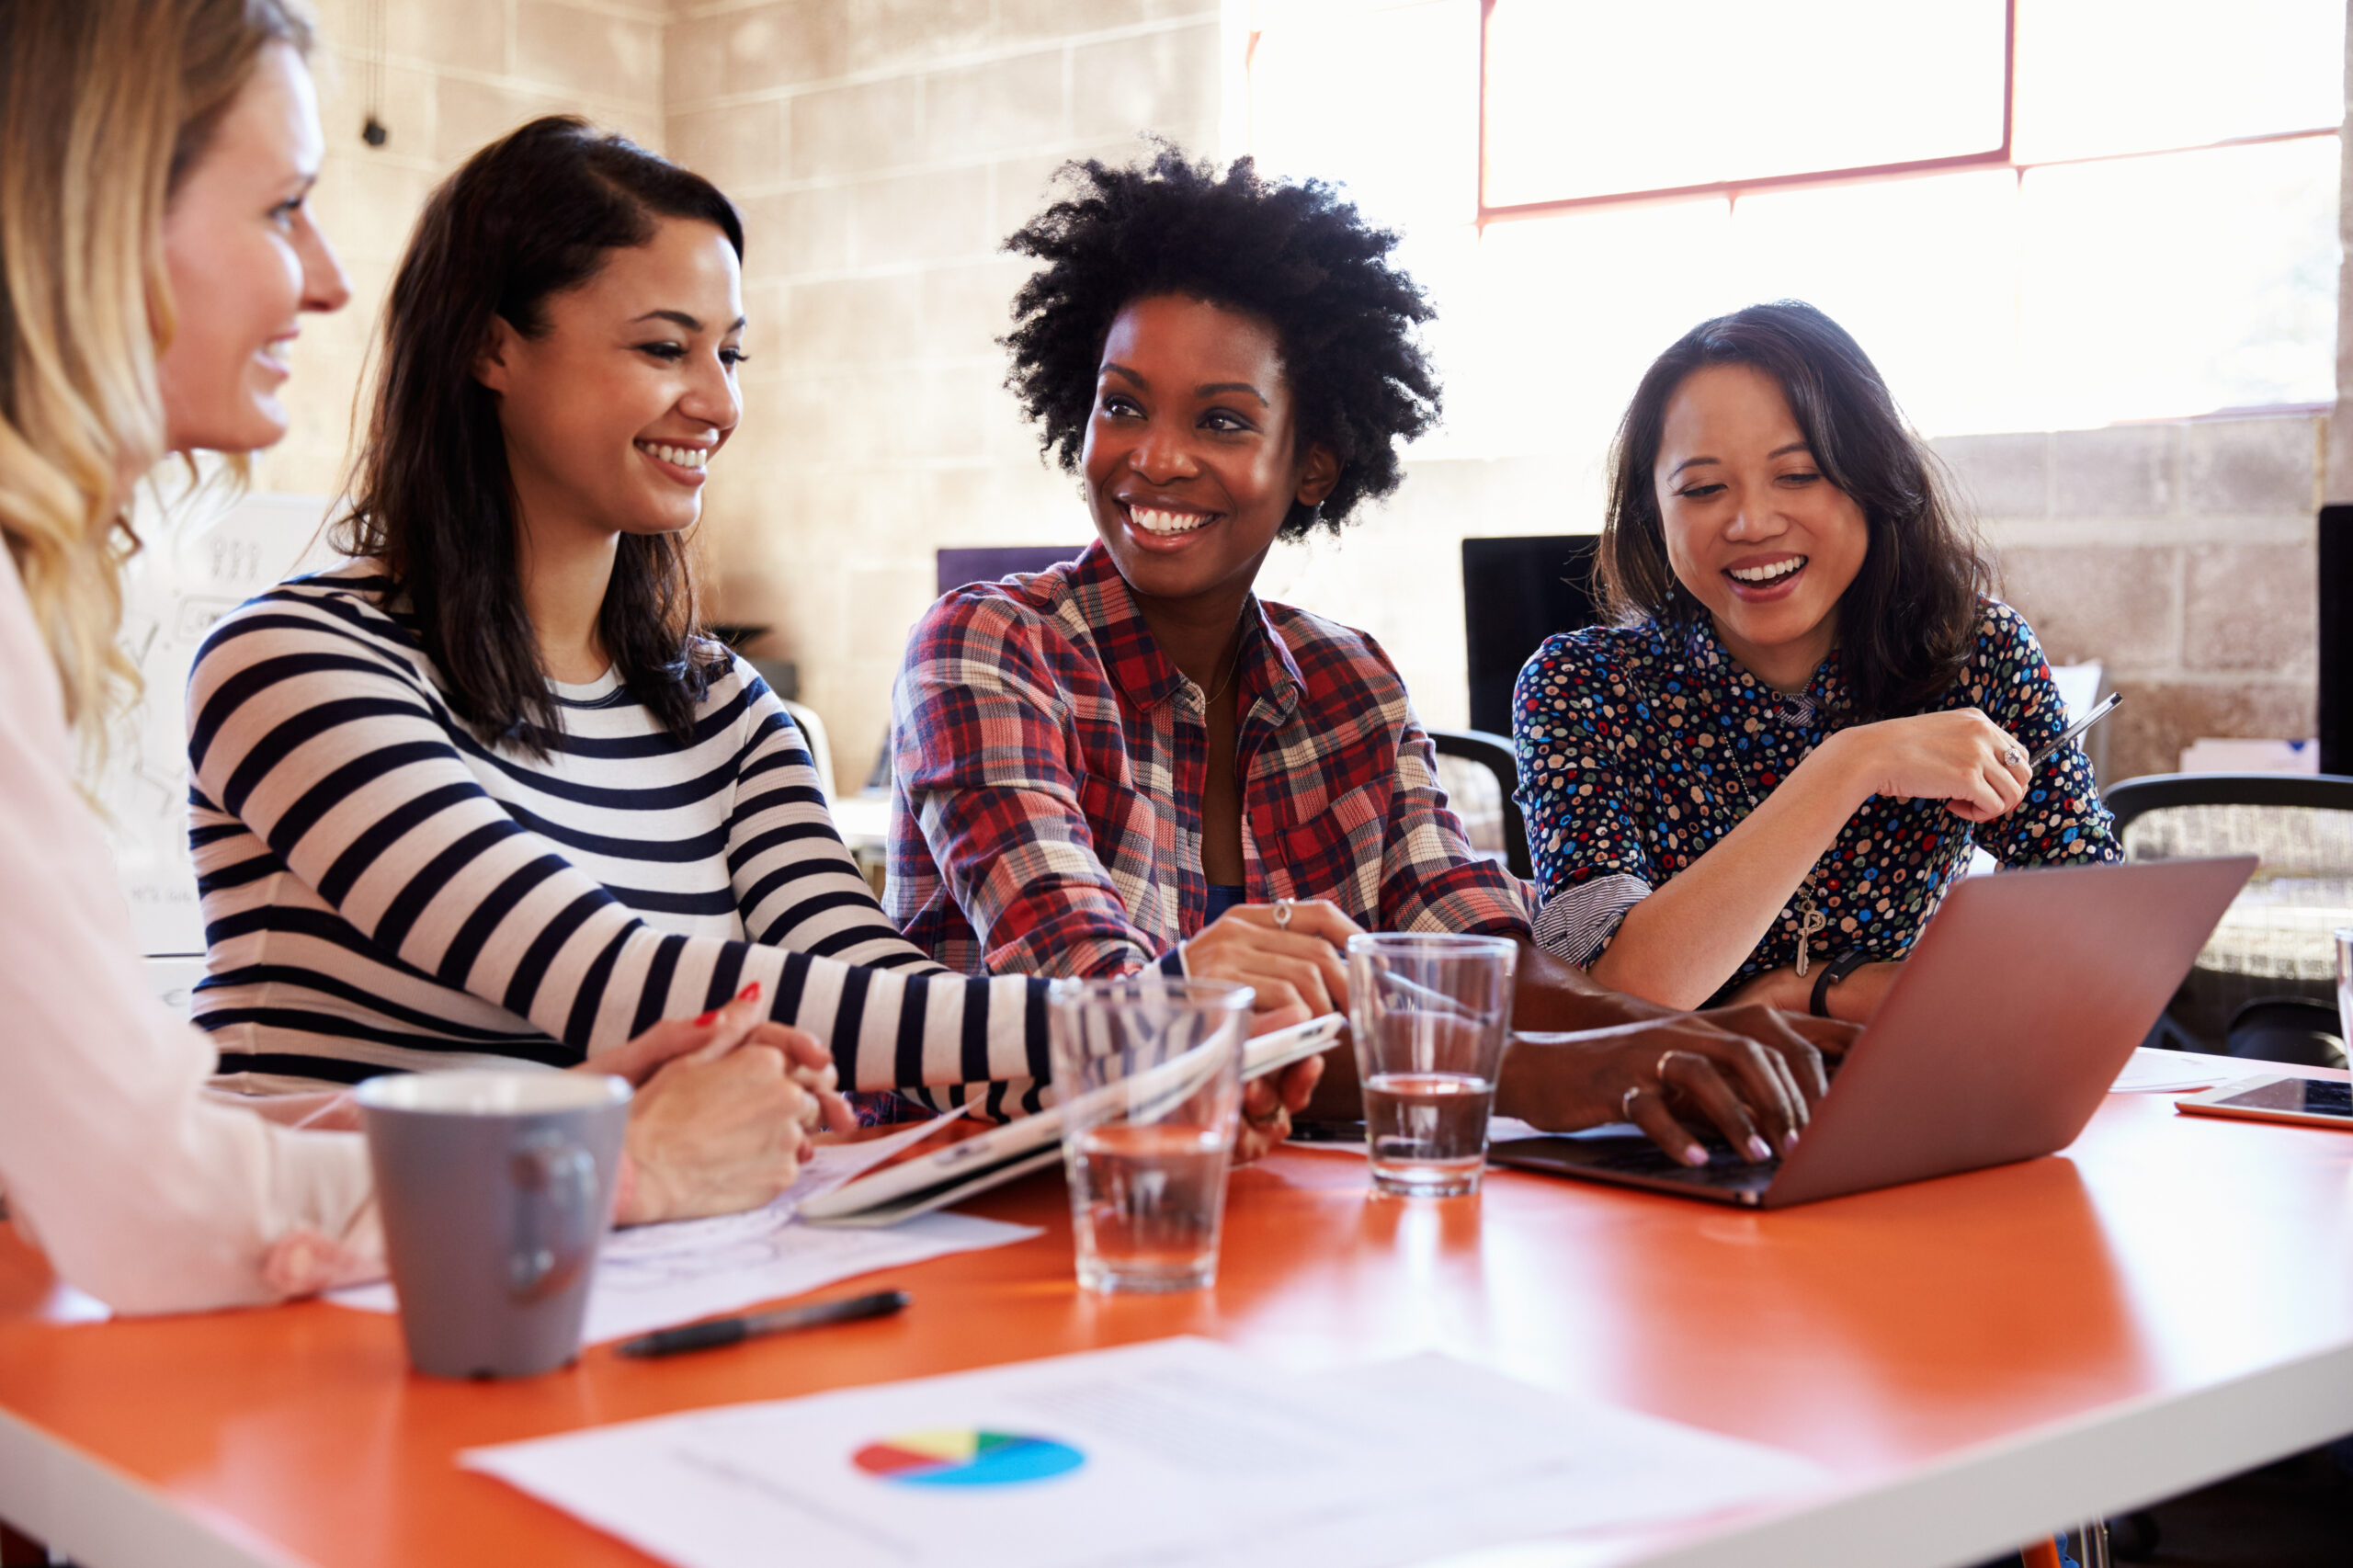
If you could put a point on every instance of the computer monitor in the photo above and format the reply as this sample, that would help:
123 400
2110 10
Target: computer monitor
1516 593
986 564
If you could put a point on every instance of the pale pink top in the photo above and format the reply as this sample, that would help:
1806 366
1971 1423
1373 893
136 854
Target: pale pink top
142 1190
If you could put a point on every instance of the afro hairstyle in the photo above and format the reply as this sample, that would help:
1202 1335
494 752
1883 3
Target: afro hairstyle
1298 257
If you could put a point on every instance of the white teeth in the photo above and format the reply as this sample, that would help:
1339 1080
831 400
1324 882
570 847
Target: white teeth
685 457
1767 574
1154 521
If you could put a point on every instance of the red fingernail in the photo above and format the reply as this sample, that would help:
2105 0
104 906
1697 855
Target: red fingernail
749 994
708 1020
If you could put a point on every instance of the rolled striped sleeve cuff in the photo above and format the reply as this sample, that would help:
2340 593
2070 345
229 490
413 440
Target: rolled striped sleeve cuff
1578 922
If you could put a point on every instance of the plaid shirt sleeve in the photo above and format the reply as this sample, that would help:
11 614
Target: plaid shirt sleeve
1431 880
983 719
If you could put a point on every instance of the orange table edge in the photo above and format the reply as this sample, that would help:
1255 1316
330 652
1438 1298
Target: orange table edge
1974 1361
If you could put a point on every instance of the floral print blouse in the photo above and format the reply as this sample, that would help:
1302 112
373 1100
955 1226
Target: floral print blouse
1640 746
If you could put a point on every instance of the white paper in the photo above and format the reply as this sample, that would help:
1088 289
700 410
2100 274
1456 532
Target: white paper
2174 1072
650 1276
1189 1453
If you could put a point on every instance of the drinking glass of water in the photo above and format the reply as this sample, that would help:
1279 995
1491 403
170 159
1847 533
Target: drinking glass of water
1430 1015
1148 1074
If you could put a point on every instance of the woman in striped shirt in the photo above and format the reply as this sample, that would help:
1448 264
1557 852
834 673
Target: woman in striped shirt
484 793
156 158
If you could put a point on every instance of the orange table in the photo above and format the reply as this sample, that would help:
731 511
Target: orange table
1974 1360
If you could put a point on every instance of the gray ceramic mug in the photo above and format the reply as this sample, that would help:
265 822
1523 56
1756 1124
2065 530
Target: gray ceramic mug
496 1188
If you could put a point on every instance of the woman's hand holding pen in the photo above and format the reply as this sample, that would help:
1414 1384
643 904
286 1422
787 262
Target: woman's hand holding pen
1962 757
726 1104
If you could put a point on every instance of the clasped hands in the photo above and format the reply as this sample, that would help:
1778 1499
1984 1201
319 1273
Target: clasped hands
725 1112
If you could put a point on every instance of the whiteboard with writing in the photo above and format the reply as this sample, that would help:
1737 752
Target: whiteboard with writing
201 560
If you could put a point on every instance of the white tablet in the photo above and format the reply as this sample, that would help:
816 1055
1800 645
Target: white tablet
991 1159
2308 1102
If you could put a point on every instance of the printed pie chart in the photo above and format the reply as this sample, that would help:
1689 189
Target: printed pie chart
963 1456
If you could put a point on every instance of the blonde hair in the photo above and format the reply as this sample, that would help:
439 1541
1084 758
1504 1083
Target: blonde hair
104 106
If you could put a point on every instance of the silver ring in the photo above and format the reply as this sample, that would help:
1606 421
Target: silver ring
1661 1070
2015 756
1626 1102
1282 915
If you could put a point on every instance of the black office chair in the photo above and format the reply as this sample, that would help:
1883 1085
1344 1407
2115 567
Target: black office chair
2264 985
1492 753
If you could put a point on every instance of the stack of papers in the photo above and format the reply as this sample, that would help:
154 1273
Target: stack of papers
2175 1072
1174 1453
651 1277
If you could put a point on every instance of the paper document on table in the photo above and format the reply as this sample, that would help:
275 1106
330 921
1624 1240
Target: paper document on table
1176 1452
650 1276
2171 1072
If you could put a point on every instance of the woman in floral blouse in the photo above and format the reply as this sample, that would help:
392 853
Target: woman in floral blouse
1757 785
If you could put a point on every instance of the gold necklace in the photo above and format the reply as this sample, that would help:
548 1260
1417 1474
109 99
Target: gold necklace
1230 673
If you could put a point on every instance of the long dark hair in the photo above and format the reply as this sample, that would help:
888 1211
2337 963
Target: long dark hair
1907 622
529 216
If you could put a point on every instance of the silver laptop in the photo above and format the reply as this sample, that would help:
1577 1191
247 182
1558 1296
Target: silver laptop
2021 1003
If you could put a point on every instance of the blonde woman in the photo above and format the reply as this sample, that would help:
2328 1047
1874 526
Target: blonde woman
156 255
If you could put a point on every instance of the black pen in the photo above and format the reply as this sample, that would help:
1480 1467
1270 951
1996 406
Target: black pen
2078 728
731 1331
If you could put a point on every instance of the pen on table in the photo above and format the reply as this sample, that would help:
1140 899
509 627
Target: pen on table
731 1331
2072 731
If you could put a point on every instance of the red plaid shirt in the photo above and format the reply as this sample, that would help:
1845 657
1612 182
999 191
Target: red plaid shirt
1046 803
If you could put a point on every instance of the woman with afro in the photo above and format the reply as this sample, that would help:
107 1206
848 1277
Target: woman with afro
1131 761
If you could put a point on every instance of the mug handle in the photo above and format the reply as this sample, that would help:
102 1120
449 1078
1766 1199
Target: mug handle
556 1215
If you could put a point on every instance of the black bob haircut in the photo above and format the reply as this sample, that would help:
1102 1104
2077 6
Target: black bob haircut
1908 622
1297 255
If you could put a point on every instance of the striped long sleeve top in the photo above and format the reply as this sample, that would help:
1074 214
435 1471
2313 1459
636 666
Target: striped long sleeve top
382 892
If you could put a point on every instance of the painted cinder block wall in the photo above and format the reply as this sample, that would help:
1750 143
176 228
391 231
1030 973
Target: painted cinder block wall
881 149
456 74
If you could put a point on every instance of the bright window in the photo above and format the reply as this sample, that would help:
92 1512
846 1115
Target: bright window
2159 237
1586 102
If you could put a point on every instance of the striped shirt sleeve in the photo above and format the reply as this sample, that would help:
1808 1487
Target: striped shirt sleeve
330 748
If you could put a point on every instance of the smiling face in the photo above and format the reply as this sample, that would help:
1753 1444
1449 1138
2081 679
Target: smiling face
244 263
612 413
1192 458
1753 530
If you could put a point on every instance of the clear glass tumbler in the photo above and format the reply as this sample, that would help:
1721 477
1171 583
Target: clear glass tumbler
1148 1074
1430 1015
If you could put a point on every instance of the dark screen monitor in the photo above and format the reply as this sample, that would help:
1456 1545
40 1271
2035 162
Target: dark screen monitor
1516 593
958 567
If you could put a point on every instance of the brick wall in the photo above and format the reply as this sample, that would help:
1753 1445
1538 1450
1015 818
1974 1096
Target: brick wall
2181 555
881 151
456 74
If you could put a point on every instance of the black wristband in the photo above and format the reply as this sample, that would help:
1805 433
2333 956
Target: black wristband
1834 971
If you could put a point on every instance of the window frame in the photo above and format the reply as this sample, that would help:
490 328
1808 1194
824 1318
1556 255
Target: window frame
1731 191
